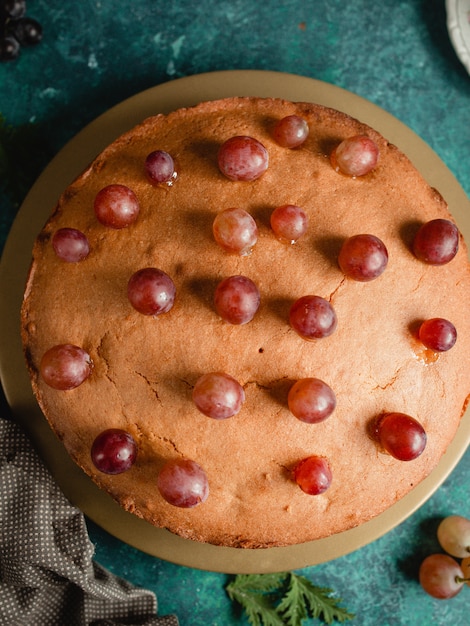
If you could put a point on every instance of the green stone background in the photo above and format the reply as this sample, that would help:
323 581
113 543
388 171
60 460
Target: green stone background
396 53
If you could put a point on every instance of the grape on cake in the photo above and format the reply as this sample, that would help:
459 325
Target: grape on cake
248 321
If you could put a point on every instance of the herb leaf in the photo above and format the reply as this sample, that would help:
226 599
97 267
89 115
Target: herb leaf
257 583
284 599
303 599
253 591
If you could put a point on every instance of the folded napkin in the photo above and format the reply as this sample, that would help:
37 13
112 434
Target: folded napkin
47 573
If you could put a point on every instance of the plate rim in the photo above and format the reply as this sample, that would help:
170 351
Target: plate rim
108 514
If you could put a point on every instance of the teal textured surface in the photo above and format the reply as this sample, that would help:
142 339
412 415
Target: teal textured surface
395 53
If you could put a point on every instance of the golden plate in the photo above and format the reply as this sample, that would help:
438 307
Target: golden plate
72 159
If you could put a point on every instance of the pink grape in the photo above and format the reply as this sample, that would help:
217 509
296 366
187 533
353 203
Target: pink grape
441 576
116 206
237 299
363 257
401 436
65 366
453 534
160 167
183 483
243 158
218 395
312 317
235 231
311 400
313 475
355 156
151 291
114 451
291 131
70 245
436 242
289 223
438 334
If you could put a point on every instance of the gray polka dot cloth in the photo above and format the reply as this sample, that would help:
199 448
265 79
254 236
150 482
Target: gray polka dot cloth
47 573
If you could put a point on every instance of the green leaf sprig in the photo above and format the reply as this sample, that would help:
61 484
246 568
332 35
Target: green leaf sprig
285 599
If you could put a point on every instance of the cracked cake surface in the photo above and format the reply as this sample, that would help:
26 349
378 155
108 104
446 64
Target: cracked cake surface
145 367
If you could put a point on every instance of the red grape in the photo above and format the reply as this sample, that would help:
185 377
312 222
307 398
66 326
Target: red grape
441 576
291 131
65 366
151 291
70 245
113 451
242 158
313 475
436 242
289 222
237 299
218 395
355 156
116 206
453 534
235 231
311 400
160 167
312 317
438 334
401 436
183 483
363 257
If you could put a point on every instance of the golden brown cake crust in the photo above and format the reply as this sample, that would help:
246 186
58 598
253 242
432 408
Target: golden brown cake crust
145 367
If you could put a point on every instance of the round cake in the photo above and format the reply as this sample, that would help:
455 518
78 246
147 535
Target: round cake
227 379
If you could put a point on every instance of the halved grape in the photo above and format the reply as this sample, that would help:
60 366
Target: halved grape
70 245
311 400
289 222
151 291
243 158
438 334
291 131
313 475
116 206
183 483
218 395
441 576
465 565
363 257
235 231
355 156
401 436
160 167
313 317
436 242
453 533
237 299
65 366
114 451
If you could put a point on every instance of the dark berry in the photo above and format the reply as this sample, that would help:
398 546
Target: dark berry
26 30
9 48
14 8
